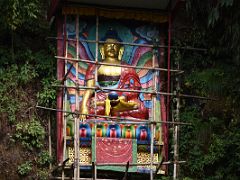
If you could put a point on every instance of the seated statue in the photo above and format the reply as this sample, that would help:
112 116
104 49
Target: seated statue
112 102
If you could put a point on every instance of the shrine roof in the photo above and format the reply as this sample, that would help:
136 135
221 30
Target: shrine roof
157 5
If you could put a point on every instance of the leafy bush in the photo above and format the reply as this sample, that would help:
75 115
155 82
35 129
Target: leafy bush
47 96
30 134
25 168
44 158
12 94
26 57
42 174
15 12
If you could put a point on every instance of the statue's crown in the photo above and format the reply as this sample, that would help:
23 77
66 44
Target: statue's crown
111 34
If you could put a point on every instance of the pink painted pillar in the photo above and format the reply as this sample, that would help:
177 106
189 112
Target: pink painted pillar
163 101
60 75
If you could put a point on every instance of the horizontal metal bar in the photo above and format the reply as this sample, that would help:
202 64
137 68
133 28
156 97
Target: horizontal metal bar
133 164
119 90
78 178
135 44
117 119
126 43
139 91
102 42
117 65
139 164
197 97
133 121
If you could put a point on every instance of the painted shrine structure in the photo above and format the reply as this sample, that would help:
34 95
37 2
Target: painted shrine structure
113 98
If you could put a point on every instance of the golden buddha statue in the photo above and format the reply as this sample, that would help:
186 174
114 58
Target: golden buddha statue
112 103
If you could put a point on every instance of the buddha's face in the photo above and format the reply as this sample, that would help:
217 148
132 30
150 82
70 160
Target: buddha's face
111 49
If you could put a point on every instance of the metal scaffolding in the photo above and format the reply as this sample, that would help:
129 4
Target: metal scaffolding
175 122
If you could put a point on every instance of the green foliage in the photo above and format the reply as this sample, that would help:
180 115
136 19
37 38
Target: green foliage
47 96
206 81
12 94
44 158
25 168
209 146
16 12
214 14
43 161
42 174
30 134
187 178
26 58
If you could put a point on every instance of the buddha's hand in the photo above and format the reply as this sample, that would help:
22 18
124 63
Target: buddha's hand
124 105
93 104
84 112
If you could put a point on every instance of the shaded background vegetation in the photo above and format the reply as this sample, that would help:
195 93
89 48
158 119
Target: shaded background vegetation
210 146
27 69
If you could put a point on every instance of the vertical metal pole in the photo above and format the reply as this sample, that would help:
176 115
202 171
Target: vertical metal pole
76 132
49 140
176 133
153 126
65 95
64 116
175 165
95 96
169 64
